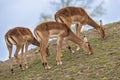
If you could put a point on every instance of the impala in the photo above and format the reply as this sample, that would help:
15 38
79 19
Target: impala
20 37
69 15
45 30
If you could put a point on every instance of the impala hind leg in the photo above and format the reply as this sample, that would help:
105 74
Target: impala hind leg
10 58
18 47
21 59
59 47
43 54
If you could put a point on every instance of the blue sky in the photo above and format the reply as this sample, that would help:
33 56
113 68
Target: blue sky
27 12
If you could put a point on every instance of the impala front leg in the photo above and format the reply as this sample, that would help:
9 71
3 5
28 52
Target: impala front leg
59 47
78 29
68 46
22 54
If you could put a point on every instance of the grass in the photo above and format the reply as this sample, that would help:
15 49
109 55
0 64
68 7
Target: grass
104 64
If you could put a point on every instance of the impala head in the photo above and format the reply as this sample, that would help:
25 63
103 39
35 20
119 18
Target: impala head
101 30
86 45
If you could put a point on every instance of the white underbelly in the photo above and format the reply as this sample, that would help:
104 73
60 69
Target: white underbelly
53 36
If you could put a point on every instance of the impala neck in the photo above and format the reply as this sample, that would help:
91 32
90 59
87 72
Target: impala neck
96 26
35 42
91 22
75 39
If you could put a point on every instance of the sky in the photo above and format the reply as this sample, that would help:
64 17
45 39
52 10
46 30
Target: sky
26 13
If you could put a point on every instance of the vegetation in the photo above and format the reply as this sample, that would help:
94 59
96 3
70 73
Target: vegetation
55 5
104 64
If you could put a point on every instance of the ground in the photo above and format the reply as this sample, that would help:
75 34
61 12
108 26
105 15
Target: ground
104 64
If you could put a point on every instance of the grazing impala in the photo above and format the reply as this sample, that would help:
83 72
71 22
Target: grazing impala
45 30
69 15
21 37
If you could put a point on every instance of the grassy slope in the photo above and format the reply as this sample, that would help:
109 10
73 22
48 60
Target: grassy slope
104 64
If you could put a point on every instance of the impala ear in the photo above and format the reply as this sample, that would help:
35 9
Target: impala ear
85 39
101 23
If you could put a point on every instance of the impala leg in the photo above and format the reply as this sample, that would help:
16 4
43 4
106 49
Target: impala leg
22 51
25 55
18 47
78 29
43 54
10 58
68 46
68 22
47 51
59 47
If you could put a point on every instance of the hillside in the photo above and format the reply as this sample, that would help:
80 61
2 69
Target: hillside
104 64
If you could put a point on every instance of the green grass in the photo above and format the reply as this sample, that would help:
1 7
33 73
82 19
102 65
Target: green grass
104 64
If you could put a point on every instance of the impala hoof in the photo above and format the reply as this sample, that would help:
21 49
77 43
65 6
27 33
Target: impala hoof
73 51
78 49
13 73
21 67
90 53
47 67
26 66
59 63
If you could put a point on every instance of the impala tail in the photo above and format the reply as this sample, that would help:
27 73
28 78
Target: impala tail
7 42
58 18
